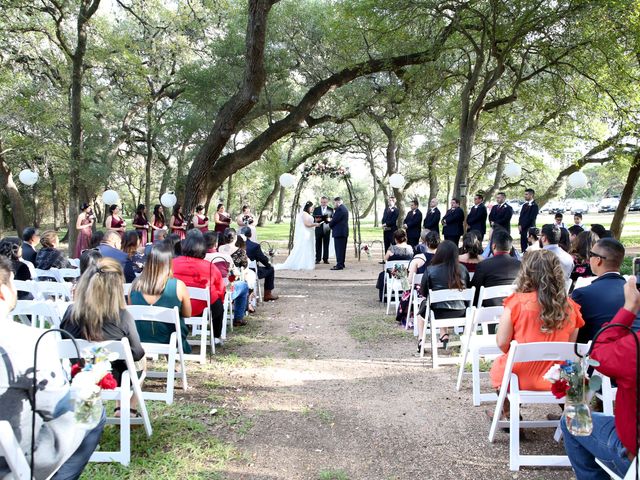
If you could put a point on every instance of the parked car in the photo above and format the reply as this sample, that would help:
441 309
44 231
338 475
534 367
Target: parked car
555 207
635 206
579 206
516 205
608 205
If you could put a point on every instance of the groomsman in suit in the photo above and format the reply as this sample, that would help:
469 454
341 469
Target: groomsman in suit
340 230
452 222
477 217
322 214
527 218
389 222
501 213
412 223
432 220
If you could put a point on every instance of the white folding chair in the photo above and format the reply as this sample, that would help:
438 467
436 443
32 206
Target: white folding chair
227 316
32 268
393 286
200 326
583 282
253 265
29 286
74 262
510 389
437 296
129 387
479 346
126 287
40 313
51 273
72 273
630 475
172 349
12 452
490 293
57 290
413 300
607 395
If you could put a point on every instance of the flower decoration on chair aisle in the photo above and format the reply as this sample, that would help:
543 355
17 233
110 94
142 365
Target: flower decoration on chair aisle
89 376
365 248
401 273
324 168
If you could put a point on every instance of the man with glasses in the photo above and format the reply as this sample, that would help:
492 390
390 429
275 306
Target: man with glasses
600 301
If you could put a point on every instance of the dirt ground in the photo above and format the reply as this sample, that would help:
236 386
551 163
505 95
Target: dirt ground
323 385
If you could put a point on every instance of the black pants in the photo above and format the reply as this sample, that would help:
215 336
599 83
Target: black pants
523 241
388 239
217 315
322 243
413 242
340 244
454 238
269 277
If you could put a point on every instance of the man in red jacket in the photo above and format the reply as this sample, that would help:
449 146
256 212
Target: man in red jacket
613 439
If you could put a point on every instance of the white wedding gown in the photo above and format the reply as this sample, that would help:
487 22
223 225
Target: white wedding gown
303 254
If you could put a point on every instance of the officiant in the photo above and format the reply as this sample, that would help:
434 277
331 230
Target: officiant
322 214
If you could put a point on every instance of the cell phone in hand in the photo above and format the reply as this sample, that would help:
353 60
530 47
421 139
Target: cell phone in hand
636 270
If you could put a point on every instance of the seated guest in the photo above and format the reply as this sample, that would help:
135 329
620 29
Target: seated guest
599 230
222 260
580 248
240 291
606 293
156 287
158 238
175 243
500 269
444 272
30 238
265 269
131 247
538 311
235 247
89 259
533 239
549 237
99 314
421 261
565 239
471 251
422 246
110 248
11 249
49 256
574 231
60 443
401 250
195 271
488 250
96 239
613 439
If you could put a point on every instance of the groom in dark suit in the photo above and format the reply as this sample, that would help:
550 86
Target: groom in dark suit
322 214
340 231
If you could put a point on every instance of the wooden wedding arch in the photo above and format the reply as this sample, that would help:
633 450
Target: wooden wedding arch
323 169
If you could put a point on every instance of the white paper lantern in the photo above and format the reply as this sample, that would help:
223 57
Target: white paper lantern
110 197
396 180
512 170
287 180
578 180
28 177
168 199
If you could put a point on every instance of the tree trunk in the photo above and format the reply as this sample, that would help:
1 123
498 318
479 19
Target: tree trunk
37 215
149 159
2 225
267 208
281 205
229 193
10 189
488 195
434 186
617 224
368 209
54 195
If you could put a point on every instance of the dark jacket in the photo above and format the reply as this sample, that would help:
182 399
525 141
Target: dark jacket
29 253
413 221
528 216
255 253
501 215
340 222
390 218
477 218
452 222
599 302
494 271
317 216
436 278
432 220
120 256
48 258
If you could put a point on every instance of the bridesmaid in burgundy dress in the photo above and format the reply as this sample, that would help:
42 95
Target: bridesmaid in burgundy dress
83 225
221 219
115 221
200 219
177 223
157 221
141 224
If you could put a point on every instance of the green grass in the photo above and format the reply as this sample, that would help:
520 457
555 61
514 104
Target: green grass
373 328
332 475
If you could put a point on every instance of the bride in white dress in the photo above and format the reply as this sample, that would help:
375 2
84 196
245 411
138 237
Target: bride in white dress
303 255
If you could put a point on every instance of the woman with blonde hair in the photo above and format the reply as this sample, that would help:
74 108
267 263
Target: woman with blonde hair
49 256
538 311
99 313
156 287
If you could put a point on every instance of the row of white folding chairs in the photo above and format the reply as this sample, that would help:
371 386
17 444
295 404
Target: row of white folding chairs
393 286
42 290
40 312
57 274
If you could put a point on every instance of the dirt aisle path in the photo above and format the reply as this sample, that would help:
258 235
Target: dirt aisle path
322 385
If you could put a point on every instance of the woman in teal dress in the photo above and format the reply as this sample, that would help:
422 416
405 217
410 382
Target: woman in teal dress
157 287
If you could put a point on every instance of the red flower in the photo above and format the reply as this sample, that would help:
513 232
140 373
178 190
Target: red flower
108 382
75 369
560 388
580 269
232 278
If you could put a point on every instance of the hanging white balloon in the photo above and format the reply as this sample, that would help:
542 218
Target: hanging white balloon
168 199
578 180
396 180
110 197
512 170
28 177
287 180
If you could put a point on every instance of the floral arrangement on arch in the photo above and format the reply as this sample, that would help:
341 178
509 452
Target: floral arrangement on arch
324 168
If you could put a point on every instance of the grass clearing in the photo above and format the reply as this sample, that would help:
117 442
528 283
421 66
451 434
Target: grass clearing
333 475
374 328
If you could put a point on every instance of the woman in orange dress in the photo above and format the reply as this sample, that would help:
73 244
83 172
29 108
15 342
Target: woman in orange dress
538 311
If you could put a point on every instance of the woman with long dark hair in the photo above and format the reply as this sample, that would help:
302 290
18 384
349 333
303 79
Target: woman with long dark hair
580 248
221 219
84 224
158 221
200 219
131 246
115 222
444 273
141 223
11 248
177 222
471 251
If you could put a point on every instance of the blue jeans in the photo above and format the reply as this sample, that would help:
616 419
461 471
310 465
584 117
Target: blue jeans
603 444
73 467
240 299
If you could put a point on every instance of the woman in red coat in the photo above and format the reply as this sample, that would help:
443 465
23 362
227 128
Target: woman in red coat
195 271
